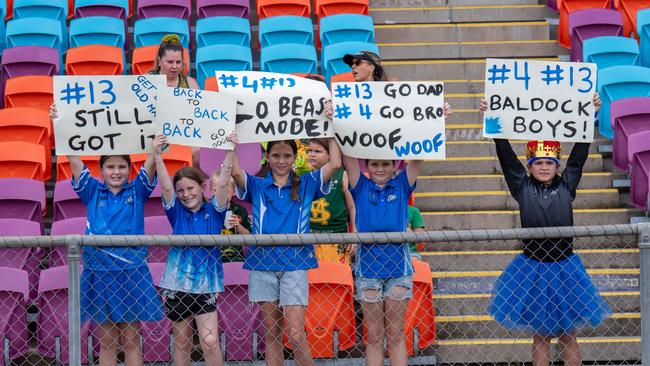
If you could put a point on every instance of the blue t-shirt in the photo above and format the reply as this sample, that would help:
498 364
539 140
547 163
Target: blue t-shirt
196 270
382 210
274 212
114 214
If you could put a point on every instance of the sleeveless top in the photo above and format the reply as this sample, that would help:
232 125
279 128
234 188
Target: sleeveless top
182 80
330 214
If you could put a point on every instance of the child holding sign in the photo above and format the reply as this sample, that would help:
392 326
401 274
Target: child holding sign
117 289
278 274
546 289
193 275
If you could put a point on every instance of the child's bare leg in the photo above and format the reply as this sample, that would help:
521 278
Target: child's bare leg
570 349
131 345
541 348
109 336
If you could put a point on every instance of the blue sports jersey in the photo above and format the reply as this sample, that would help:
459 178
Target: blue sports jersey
196 270
382 210
274 212
114 214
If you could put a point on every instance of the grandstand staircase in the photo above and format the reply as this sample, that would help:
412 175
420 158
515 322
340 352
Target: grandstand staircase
448 40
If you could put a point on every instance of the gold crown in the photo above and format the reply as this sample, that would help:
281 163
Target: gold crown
543 149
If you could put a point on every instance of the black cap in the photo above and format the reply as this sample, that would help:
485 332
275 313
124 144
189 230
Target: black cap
361 55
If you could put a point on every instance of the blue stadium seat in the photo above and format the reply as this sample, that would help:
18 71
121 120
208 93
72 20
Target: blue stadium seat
23 32
97 30
286 29
643 30
149 32
3 32
223 30
332 56
289 58
44 9
619 82
222 57
114 8
611 51
346 28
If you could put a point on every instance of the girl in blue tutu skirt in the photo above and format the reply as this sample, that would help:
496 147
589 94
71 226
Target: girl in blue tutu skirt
546 289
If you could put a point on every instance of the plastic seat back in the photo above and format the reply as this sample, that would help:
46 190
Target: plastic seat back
164 8
346 28
13 312
332 56
643 30
213 8
590 23
289 58
22 32
26 259
569 6
420 313
64 172
272 8
143 59
156 336
619 82
22 198
611 51
77 225
223 30
222 57
66 202
29 92
95 60
30 60
325 8
97 30
629 9
29 164
57 10
120 9
286 29
28 125
153 206
149 32
177 157
251 158
640 171
629 115
637 142
157 225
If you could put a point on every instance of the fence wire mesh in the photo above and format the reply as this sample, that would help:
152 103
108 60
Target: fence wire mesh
474 298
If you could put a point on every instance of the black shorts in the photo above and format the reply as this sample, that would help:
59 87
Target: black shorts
181 305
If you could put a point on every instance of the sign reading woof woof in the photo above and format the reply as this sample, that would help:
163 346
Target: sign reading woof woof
390 120
272 106
539 100
196 117
105 115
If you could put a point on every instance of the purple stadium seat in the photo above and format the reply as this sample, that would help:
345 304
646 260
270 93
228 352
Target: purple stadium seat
28 60
156 336
639 179
52 320
590 23
250 156
239 320
22 258
164 8
157 225
213 8
153 206
638 142
628 116
22 199
66 202
552 4
75 225
13 313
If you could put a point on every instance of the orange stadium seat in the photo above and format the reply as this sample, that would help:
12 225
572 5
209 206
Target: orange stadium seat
270 8
569 6
9 10
342 78
211 84
420 312
34 91
628 10
143 58
325 8
95 60
22 160
64 172
28 125
177 157
311 76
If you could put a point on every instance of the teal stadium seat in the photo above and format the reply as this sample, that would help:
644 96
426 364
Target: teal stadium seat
23 32
643 30
223 30
44 9
346 28
611 51
332 56
286 29
224 57
97 30
289 59
149 32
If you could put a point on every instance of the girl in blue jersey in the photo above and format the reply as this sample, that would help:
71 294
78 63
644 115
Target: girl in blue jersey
281 204
117 290
193 275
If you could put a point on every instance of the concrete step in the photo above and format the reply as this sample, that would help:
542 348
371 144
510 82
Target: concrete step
464 115
489 165
463 131
464 101
454 50
459 14
581 243
501 200
461 32
482 147
442 3
463 86
465 220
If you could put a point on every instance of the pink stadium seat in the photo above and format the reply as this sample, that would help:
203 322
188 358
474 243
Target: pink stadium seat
157 225
75 225
640 172
25 259
13 313
569 6
156 336
250 158
22 199
164 8
34 91
213 8
590 23
153 206
66 202
628 116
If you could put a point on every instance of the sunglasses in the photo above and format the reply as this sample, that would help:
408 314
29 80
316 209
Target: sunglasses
358 61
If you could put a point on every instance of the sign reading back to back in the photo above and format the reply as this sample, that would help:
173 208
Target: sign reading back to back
196 117
272 106
539 100
105 115
390 120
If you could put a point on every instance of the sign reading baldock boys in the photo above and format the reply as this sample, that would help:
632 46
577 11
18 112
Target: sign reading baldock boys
539 100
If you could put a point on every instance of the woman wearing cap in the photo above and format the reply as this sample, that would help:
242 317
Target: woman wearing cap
384 272
546 289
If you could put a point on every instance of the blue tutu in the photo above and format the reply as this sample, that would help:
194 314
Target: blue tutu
122 296
547 298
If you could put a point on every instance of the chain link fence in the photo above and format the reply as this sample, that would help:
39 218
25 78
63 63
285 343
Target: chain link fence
53 312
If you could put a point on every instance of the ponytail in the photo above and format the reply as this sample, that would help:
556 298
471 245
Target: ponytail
295 185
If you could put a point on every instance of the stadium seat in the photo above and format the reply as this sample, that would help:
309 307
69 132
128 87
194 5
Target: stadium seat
164 8
29 92
223 57
239 320
3 35
346 28
153 206
213 8
629 116
14 287
143 59
342 78
8 8
97 30
156 336
619 82
643 30
286 29
289 58
52 319
28 125
325 8
591 23
420 310
26 259
567 7
28 60
95 60
211 84
223 30
272 8
22 32
157 225
57 10
177 157
30 163
640 172
66 204
149 32
332 56
552 4
611 51
76 225
64 172
629 10
120 9
250 157
23 199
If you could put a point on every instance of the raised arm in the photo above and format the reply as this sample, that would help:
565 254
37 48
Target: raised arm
223 182
352 170
164 180
237 173
349 203
413 169
334 163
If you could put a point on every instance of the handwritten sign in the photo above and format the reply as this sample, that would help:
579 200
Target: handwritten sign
539 100
196 117
390 120
272 106
105 115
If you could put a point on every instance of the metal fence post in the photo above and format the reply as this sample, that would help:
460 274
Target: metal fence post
73 243
644 249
